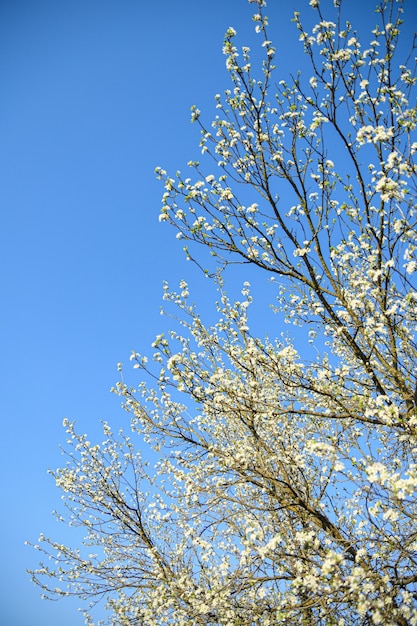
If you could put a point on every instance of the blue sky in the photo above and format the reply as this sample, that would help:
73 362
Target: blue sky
95 95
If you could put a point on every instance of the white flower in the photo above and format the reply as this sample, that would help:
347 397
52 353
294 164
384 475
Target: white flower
369 134
377 472
387 187
391 160
301 251
226 194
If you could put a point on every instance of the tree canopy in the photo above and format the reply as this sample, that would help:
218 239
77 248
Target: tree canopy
284 486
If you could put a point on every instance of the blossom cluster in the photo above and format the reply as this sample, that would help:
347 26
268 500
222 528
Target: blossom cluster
276 479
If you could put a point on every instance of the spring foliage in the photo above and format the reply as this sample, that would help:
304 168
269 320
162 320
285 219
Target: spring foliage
284 490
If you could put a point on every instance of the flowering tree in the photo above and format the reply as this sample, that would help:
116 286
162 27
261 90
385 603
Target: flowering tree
284 490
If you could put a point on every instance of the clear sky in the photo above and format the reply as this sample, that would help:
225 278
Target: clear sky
94 95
